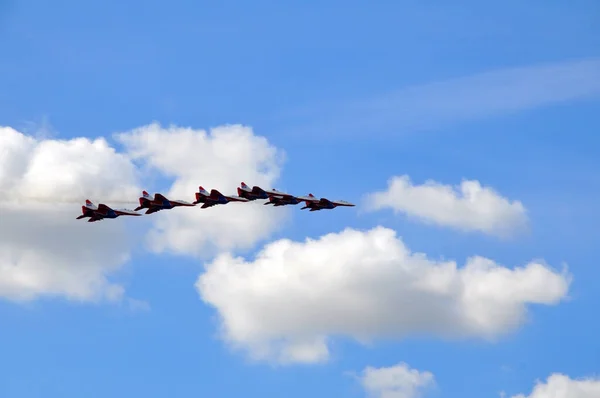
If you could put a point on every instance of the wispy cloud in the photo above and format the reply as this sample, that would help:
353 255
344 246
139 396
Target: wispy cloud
479 96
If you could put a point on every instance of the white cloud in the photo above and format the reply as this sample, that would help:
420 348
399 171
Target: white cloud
138 305
469 207
562 386
398 381
44 250
220 159
285 304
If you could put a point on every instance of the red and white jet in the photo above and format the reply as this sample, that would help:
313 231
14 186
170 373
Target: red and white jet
275 197
278 198
315 204
159 202
102 211
215 198
253 193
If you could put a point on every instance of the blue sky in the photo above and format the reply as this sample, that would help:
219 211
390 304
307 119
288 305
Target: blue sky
353 94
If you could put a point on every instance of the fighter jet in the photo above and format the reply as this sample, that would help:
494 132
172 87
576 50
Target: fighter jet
158 202
215 198
278 198
315 204
252 193
275 197
102 211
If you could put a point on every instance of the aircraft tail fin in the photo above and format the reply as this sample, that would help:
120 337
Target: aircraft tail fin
88 203
145 194
244 185
202 190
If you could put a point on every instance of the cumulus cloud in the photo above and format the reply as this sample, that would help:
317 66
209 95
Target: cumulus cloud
219 159
285 304
398 381
469 207
44 250
562 386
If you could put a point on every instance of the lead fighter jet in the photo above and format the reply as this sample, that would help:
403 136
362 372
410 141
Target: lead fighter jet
315 204
159 202
102 211
215 198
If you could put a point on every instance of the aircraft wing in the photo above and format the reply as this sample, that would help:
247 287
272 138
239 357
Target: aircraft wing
214 194
95 217
237 198
182 203
308 198
258 190
276 193
103 208
342 203
208 204
127 212
153 209
160 198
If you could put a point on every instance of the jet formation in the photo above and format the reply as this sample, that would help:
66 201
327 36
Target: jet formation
158 202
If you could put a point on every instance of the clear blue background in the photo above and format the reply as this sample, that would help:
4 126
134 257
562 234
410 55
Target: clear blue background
100 67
